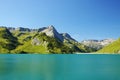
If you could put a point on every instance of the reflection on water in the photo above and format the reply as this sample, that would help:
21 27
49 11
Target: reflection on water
59 67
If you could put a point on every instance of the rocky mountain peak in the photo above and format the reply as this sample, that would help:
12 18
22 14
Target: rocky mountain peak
51 27
52 32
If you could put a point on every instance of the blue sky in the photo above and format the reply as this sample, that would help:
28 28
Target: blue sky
82 19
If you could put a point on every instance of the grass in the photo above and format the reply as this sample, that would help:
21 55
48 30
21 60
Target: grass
7 41
21 42
112 48
29 48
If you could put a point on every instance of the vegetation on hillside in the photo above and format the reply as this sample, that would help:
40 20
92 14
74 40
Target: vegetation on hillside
38 42
111 48
41 43
7 41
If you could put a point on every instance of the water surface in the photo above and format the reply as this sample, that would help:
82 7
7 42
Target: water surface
59 67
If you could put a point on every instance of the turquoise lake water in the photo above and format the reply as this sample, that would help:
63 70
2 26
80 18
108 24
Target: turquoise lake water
59 67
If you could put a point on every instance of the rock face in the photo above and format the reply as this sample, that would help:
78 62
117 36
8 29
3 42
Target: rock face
51 32
66 36
23 29
35 41
97 44
11 28
19 29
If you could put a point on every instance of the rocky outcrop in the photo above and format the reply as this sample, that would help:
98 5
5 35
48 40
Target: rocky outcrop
23 29
52 32
66 36
35 41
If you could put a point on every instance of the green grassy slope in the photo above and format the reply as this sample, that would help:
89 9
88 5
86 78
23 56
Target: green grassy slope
7 41
112 48
41 43
23 36
27 47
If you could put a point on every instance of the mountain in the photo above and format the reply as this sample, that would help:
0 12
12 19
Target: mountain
97 44
111 48
42 40
49 40
52 32
7 41
41 43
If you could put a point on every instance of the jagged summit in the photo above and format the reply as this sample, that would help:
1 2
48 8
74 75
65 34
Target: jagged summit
49 31
52 32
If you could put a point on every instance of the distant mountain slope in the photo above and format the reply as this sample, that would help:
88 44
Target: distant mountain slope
7 41
97 44
111 48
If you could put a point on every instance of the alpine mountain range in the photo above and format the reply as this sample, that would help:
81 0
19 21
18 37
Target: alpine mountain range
48 40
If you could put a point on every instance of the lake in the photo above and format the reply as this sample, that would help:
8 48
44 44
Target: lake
59 67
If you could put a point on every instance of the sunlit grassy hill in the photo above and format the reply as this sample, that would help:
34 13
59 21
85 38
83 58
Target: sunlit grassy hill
111 48
7 41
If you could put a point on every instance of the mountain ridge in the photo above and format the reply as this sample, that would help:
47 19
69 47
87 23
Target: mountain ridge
97 44
43 40
47 40
50 31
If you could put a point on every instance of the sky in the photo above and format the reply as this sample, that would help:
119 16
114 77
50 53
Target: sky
82 19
